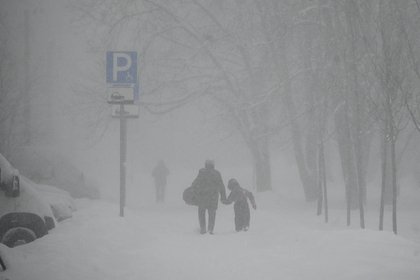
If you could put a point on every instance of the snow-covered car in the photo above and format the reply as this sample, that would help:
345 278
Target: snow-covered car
47 166
62 204
24 214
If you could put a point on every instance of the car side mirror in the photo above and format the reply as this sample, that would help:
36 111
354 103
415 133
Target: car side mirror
13 187
2 265
2 185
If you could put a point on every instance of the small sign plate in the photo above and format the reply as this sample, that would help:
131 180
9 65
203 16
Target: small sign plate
118 94
129 111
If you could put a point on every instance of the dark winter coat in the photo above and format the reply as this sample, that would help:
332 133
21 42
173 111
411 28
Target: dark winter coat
209 185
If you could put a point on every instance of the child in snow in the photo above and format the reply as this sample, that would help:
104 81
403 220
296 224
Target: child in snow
240 198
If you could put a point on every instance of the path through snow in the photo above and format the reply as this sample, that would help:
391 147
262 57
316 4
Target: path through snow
162 242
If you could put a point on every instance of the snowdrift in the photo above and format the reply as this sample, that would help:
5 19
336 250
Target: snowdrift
285 241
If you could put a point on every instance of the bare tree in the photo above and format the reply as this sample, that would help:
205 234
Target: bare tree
391 70
185 56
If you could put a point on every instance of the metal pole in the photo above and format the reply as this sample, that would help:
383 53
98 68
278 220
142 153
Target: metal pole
123 149
26 95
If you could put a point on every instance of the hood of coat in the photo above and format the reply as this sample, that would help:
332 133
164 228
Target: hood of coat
232 184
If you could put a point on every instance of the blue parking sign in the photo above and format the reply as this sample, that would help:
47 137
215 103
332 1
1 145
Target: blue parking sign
121 67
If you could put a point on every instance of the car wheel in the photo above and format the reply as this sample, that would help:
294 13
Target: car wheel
18 236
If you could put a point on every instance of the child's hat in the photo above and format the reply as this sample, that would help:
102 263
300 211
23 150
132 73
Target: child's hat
232 183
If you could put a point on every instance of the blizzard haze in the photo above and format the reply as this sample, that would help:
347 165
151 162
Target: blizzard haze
313 106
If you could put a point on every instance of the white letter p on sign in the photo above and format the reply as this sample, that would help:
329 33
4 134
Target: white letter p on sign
120 68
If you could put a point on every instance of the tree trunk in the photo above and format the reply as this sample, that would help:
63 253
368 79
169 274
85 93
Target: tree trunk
394 188
262 165
394 178
320 182
384 157
308 183
321 178
360 184
268 11
324 182
311 123
345 149
356 109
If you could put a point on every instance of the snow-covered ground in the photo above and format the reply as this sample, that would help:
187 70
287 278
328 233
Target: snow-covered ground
286 241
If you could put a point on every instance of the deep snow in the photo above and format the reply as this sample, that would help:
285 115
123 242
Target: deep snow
286 241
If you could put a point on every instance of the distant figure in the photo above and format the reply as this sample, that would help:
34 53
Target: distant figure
159 173
208 184
240 198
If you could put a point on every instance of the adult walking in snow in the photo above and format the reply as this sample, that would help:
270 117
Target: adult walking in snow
159 173
208 185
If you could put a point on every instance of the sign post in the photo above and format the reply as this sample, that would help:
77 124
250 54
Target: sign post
122 89
123 159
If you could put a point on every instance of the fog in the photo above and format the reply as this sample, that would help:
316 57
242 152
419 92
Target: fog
61 61
312 106
249 85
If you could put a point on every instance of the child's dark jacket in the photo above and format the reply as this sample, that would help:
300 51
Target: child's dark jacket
240 195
